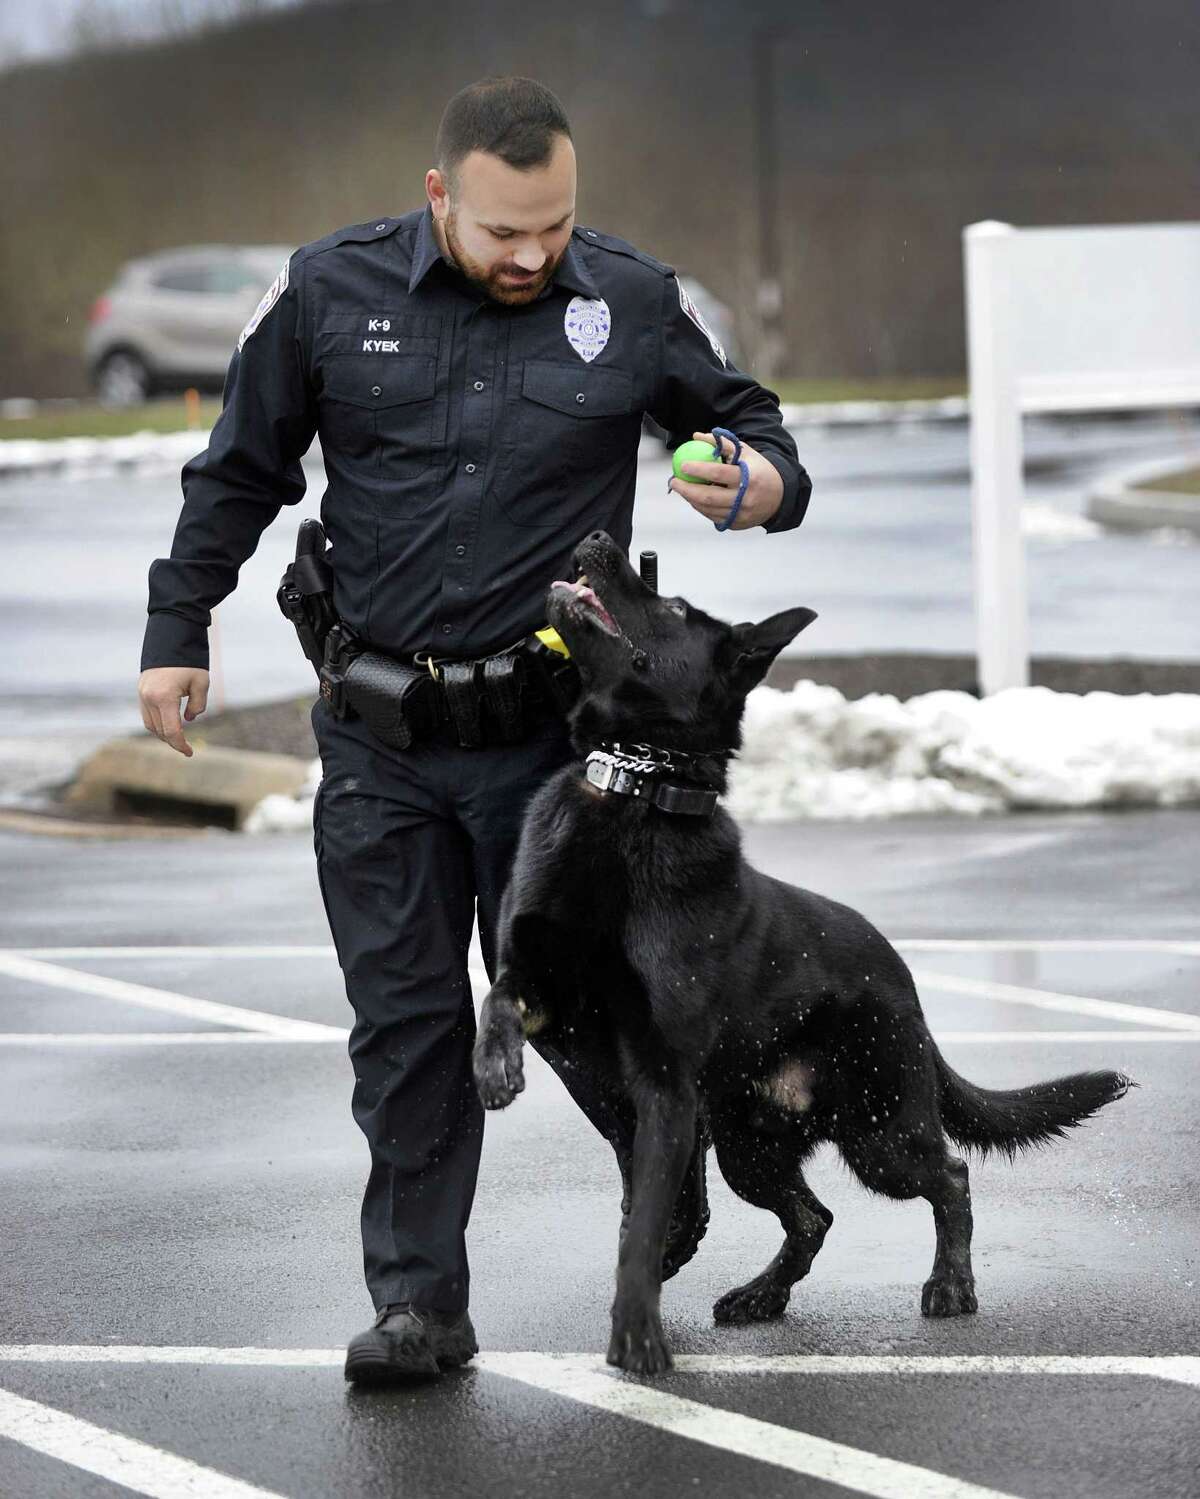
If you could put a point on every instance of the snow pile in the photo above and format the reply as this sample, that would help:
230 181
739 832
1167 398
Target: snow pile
79 457
811 753
286 814
1042 522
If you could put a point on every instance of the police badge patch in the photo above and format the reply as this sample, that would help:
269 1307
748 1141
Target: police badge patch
587 324
270 297
694 313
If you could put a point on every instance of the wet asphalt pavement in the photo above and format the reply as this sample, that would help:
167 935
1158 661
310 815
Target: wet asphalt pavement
180 1218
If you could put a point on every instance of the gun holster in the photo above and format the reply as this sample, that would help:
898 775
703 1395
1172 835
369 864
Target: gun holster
305 593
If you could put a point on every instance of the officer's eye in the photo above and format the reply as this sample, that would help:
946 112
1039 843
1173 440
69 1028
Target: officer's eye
496 234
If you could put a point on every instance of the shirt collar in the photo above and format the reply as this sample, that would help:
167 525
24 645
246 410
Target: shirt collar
571 272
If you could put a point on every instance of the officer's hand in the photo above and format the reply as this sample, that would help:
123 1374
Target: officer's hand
160 689
764 493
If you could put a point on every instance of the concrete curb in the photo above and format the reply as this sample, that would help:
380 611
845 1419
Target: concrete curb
1117 500
53 825
216 785
874 413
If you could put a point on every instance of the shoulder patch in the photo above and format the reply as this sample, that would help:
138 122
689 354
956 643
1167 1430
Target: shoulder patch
693 312
269 298
622 247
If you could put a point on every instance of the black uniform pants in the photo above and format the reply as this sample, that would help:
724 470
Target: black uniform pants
408 843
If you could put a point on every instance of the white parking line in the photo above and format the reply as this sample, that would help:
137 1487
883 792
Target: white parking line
42 1039
326 951
259 1025
949 1038
781 1446
1182 947
586 1379
34 971
1177 1368
1190 949
123 1460
1047 999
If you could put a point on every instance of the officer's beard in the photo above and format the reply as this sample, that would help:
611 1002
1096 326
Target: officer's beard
494 281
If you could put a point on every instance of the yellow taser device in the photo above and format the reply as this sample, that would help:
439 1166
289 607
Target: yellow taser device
549 636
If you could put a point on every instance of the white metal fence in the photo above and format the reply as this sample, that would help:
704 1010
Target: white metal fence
1062 319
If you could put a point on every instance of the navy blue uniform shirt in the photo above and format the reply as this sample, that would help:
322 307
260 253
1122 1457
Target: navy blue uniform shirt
468 445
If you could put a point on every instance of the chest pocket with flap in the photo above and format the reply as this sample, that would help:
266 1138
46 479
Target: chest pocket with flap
380 408
566 421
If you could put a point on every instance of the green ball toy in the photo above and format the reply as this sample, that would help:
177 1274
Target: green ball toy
693 452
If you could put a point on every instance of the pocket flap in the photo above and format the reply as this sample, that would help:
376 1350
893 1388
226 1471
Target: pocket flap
375 380
576 389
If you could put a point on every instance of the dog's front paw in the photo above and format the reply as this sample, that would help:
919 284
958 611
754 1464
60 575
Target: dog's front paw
758 1300
499 1071
948 1296
638 1345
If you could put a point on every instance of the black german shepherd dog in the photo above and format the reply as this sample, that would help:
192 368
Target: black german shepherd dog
709 996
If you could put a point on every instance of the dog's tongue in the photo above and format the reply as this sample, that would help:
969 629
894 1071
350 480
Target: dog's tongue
580 590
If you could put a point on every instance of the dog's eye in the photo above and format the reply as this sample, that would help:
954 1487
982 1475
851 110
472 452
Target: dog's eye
677 605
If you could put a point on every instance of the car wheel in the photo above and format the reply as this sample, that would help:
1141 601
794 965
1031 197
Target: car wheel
122 379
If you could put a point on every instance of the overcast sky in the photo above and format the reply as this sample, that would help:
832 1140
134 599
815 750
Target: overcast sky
42 28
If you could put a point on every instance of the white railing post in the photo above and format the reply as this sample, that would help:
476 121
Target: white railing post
1001 612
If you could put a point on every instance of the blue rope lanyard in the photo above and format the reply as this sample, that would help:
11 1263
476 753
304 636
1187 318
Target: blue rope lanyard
719 432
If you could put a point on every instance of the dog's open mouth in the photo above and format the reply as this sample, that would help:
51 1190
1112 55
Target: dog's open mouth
593 608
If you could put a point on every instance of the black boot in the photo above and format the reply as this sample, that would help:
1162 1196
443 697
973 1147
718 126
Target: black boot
410 1342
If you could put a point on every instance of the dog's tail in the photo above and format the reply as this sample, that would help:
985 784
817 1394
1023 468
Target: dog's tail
1012 1119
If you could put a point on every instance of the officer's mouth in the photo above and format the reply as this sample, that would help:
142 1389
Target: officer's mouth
591 608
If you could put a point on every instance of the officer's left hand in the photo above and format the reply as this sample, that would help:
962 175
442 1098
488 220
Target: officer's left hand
764 493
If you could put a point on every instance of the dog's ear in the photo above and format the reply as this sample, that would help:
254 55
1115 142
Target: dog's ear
752 647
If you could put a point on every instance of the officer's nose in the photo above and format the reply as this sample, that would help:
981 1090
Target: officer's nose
530 260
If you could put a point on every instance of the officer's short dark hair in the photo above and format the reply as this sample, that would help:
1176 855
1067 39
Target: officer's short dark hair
513 118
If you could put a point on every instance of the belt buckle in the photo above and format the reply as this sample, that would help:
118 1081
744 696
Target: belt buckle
601 769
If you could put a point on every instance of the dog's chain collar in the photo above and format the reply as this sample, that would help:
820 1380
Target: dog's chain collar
633 769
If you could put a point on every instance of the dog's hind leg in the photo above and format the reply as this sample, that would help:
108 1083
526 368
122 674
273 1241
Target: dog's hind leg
767 1170
915 1165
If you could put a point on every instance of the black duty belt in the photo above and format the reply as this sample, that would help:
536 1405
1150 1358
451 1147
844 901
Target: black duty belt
497 699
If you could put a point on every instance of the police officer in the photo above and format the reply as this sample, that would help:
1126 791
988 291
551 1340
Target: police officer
477 371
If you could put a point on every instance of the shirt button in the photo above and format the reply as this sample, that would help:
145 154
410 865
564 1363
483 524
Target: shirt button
581 398
377 390
460 550
446 629
479 385
381 226
470 468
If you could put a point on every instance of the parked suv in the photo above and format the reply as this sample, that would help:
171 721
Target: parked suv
172 319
